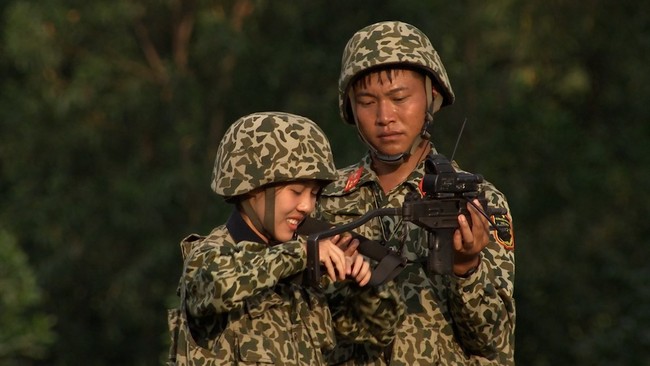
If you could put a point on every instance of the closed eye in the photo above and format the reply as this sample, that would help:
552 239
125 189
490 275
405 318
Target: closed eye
366 102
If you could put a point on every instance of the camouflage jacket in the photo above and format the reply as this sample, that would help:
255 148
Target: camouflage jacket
245 306
450 320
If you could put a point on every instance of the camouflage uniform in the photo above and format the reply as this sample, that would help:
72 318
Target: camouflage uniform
450 320
243 301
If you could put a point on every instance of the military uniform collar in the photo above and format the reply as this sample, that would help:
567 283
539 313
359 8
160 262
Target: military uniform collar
417 174
361 173
414 178
239 229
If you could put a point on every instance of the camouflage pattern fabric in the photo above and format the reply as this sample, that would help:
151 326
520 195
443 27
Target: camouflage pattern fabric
270 147
384 44
450 320
243 310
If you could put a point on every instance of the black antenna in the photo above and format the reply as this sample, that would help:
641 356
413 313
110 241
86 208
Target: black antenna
501 231
458 139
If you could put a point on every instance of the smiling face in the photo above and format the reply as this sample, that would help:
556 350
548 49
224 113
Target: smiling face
390 108
293 203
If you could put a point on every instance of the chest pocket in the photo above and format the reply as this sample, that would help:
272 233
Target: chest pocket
254 349
342 205
248 338
282 325
339 209
256 306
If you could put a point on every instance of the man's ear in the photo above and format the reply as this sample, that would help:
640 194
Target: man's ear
437 100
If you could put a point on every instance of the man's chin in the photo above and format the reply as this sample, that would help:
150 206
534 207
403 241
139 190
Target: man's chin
390 152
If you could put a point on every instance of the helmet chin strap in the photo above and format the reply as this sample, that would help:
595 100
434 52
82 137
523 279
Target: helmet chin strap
433 105
266 228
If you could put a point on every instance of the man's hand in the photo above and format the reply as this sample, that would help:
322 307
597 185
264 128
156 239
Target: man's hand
470 241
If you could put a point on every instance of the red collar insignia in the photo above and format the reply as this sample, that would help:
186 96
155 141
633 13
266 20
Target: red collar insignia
353 179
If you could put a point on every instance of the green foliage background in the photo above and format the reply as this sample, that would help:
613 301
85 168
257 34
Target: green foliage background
111 111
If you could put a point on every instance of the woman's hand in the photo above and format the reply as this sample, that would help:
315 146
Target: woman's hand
358 267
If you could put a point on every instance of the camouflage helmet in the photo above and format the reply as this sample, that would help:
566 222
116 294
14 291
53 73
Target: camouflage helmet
270 147
384 44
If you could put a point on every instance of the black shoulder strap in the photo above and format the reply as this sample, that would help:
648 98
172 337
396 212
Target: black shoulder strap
390 264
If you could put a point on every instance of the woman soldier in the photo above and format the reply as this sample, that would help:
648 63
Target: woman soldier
240 290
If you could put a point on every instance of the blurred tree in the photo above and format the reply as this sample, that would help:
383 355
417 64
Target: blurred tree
110 114
105 123
560 114
25 330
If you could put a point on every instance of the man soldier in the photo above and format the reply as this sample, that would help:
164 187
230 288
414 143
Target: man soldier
391 84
